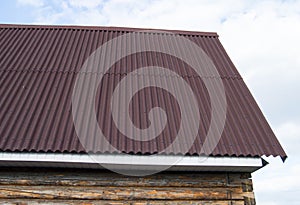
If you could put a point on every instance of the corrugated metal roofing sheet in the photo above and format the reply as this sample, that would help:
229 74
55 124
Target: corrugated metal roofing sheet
39 66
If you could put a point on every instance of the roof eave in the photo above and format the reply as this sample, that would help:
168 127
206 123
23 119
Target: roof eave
129 162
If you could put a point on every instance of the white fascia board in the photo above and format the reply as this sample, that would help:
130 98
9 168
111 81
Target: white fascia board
192 163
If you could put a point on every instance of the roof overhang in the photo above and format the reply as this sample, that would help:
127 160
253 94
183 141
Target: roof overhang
130 162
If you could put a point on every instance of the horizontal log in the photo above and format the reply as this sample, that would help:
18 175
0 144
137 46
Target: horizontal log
104 202
113 179
119 193
238 179
63 186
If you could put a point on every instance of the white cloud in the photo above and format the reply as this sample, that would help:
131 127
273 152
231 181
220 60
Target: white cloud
70 12
85 3
263 42
277 178
35 3
289 130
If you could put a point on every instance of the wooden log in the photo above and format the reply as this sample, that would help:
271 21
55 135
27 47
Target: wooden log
244 180
119 193
112 179
104 202
63 186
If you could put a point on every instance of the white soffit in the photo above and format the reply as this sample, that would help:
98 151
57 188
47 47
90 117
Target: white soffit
183 163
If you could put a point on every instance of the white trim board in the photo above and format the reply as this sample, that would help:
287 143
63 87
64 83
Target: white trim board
123 161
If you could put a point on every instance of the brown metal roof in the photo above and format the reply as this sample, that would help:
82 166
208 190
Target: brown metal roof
39 66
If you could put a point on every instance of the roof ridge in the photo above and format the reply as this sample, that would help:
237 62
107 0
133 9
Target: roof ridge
108 28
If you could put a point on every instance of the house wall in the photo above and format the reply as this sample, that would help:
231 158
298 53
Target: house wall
75 186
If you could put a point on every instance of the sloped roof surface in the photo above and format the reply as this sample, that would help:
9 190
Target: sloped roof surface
39 66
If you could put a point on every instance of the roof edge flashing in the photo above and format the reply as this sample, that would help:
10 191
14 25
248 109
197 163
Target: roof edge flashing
119 161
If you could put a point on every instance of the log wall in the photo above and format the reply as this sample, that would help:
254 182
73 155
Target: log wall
70 186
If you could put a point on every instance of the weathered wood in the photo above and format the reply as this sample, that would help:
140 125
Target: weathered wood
118 193
113 179
244 180
63 186
104 202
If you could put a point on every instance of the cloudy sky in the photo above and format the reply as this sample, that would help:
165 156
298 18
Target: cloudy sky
261 37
